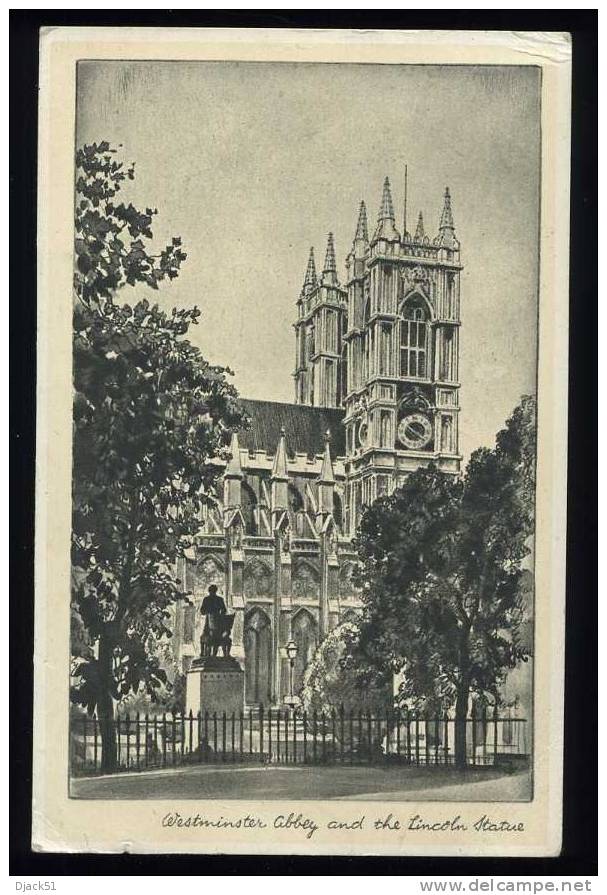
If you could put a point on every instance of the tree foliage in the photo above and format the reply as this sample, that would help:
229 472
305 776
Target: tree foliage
149 414
332 679
442 573
170 697
109 244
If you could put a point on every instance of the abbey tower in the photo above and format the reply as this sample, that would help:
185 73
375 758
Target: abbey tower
376 396
385 348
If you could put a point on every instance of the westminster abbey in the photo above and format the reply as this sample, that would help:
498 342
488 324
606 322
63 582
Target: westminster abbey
376 395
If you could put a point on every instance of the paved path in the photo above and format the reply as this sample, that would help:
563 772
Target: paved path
515 788
271 782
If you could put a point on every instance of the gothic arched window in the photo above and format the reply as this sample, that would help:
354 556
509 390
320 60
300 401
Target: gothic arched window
367 339
189 623
337 510
414 340
447 434
258 657
305 582
208 571
258 580
249 507
385 349
343 385
385 429
305 634
347 588
296 511
296 503
310 340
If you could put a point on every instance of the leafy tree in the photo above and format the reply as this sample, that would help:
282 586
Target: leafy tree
109 244
149 414
168 698
332 680
443 578
332 684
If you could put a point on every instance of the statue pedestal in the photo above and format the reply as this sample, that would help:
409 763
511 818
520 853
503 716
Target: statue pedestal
215 684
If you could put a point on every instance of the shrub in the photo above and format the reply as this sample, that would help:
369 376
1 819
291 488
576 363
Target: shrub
332 679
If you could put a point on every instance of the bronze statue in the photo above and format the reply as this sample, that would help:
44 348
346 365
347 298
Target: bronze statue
217 625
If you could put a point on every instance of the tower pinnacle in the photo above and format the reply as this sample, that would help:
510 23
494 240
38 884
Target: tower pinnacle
446 220
280 477
279 467
386 209
446 228
329 265
361 227
326 474
232 480
360 244
233 468
419 230
385 218
310 279
326 483
329 270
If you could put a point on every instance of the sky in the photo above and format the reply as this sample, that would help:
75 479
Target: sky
252 163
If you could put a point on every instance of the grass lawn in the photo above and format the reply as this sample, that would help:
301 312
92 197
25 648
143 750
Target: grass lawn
335 782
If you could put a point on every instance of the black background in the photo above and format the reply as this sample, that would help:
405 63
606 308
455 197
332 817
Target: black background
579 853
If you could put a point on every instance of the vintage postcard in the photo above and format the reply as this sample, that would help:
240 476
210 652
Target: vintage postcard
302 416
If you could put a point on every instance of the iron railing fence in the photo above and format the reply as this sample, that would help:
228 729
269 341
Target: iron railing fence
281 736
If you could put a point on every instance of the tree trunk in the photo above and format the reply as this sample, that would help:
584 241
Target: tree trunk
461 713
462 696
105 707
107 642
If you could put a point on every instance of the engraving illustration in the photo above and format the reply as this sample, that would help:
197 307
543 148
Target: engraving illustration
304 478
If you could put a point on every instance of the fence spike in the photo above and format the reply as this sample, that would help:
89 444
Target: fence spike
334 731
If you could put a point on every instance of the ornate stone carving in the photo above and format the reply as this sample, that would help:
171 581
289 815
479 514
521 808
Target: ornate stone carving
415 400
331 541
418 278
285 539
236 535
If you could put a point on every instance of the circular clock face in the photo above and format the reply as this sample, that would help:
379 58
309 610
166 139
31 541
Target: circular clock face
415 431
362 434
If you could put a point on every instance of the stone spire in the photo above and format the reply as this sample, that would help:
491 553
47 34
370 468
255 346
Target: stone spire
360 245
386 209
419 230
280 476
232 478
310 279
279 467
385 217
326 480
326 474
362 232
234 469
446 219
446 228
329 270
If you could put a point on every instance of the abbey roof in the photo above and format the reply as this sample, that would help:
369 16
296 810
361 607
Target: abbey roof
304 428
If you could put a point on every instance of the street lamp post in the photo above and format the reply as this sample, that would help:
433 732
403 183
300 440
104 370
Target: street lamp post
291 650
